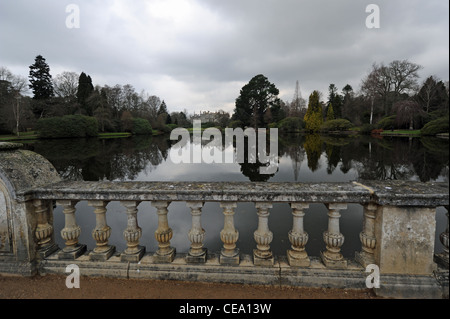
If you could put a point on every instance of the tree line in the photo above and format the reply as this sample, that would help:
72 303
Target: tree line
70 93
389 97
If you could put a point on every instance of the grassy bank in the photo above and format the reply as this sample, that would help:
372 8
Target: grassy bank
401 133
31 136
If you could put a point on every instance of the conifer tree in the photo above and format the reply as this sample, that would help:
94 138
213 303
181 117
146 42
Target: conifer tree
40 79
85 89
330 112
313 117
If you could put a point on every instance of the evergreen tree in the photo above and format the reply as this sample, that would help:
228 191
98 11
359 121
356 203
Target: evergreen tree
85 89
336 99
330 112
313 117
40 79
255 99
163 108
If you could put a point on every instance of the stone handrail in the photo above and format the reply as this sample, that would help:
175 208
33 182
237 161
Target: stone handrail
397 235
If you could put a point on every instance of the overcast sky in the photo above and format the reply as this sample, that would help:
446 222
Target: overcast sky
197 54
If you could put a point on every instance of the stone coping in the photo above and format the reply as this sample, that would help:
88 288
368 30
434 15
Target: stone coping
397 193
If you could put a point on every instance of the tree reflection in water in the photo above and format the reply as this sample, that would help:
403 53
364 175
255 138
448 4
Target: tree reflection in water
424 159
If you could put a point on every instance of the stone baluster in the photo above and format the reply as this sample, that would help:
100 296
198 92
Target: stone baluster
298 238
71 232
442 258
163 234
262 255
101 233
332 257
229 254
132 234
44 229
197 253
367 237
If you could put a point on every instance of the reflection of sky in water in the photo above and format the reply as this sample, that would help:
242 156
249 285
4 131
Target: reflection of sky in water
280 219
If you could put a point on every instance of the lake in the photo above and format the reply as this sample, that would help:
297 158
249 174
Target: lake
302 158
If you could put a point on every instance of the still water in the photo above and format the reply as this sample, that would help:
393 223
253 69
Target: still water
302 158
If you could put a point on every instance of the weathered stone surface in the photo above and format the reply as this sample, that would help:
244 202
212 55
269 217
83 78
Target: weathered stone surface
207 191
405 240
20 228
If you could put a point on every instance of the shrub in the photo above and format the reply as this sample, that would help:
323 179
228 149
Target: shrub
290 124
366 129
141 127
436 127
67 126
387 123
336 125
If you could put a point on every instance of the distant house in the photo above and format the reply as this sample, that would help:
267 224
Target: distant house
207 116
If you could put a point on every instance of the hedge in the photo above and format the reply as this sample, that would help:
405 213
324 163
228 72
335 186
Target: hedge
435 127
67 126
336 125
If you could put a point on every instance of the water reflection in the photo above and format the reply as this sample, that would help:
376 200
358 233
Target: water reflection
327 158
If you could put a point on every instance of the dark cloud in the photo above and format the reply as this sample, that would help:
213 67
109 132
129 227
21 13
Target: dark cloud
198 54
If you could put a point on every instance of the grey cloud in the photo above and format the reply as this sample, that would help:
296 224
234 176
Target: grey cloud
216 45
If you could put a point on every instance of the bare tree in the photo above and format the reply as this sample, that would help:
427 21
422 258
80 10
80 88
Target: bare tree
399 77
66 84
404 76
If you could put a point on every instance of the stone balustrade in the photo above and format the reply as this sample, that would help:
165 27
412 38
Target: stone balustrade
398 230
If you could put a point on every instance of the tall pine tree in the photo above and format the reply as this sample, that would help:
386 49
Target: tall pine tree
40 79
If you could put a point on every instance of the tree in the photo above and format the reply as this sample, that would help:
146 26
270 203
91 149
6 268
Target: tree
330 112
162 108
255 98
335 99
404 75
432 95
40 79
66 85
313 117
390 83
85 88
405 112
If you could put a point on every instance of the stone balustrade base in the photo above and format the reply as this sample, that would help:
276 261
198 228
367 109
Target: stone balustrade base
317 275
73 253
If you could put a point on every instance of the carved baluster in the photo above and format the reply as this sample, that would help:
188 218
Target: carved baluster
367 237
229 235
297 256
71 232
442 258
165 253
262 255
101 233
44 229
197 253
333 239
132 233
